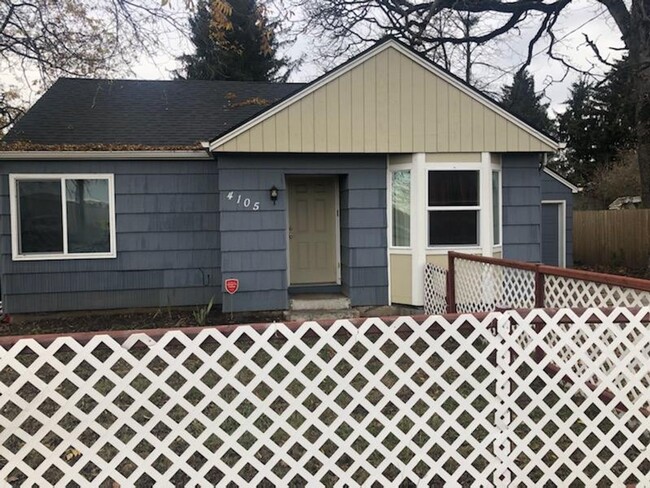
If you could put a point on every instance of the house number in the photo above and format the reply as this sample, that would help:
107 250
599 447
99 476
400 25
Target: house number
243 200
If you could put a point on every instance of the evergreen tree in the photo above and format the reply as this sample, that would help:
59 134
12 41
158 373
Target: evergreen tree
598 124
520 99
233 40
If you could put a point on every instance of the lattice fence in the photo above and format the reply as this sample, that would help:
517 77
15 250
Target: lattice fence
435 285
397 403
486 284
484 287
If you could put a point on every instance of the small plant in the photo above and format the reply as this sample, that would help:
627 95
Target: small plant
200 314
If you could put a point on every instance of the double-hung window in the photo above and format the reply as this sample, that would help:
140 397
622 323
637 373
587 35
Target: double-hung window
62 216
453 208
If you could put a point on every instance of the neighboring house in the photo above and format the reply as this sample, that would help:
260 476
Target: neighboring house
557 219
152 193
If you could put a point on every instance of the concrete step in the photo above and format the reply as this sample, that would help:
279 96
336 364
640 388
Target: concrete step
321 301
305 315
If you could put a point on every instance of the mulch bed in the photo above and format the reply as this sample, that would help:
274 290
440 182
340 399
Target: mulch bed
123 320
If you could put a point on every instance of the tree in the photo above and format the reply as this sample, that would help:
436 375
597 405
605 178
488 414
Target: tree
520 99
41 40
412 20
233 40
598 124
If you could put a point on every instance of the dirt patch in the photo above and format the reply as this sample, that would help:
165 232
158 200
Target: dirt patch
62 323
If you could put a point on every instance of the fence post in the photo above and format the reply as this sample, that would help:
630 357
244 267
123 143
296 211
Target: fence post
451 283
539 288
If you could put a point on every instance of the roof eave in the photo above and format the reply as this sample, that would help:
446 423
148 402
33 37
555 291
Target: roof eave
105 155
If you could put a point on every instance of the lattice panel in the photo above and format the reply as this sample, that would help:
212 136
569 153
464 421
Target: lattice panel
435 290
389 403
563 427
484 287
561 292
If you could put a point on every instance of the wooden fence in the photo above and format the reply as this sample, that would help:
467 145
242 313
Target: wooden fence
618 237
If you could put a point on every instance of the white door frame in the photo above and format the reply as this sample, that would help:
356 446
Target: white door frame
337 221
561 223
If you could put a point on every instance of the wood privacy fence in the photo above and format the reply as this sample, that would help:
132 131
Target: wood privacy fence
498 399
619 237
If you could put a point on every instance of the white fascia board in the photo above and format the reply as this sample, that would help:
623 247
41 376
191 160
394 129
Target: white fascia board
361 59
559 179
95 155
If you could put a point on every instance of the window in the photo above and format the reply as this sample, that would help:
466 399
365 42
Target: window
59 217
401 208
496 207
453 207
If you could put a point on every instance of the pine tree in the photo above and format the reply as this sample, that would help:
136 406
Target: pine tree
520 99
233 40
597 125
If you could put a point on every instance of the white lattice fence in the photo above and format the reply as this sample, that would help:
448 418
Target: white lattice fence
435 290
580 416
397 403
484 287
343 404
561 292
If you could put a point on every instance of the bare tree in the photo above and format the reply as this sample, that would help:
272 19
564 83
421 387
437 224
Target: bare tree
351 21
41 40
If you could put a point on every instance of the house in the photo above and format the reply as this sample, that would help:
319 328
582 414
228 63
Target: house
152 193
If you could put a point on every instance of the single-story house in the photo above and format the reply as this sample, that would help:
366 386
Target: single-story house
118 194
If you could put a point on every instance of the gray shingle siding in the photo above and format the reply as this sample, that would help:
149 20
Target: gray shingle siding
259 259
522 195
167 230
554 190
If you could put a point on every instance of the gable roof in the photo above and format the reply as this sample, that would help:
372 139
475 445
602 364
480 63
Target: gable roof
390 99
144 113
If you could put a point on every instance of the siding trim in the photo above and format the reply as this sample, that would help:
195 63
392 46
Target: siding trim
563 181
103 155
370 53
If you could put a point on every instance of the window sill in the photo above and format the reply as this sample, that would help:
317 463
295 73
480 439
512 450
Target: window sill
62 257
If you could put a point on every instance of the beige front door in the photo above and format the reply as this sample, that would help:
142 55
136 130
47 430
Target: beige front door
312 230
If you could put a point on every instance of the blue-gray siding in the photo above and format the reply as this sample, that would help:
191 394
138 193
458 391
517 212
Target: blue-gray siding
554 190
167 223
522 195
254 243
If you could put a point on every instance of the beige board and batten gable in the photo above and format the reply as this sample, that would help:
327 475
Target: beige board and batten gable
389 100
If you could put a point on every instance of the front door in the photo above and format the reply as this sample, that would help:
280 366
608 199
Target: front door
312 230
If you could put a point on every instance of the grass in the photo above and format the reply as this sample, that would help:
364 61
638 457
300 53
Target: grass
296 452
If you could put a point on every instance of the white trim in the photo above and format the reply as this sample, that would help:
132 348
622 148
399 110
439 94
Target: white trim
389 230
559 179
97 155
62 177
419 227
486 225
561 230
361 59
337 223
499 171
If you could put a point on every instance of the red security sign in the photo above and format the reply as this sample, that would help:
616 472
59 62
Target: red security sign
232 285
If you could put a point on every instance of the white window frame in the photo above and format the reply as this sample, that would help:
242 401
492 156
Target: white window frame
498 170
392 169
475 167
62 177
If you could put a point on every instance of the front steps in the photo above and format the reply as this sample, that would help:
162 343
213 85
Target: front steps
319 306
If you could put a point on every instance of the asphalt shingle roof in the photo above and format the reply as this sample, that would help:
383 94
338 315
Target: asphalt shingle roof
147 113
